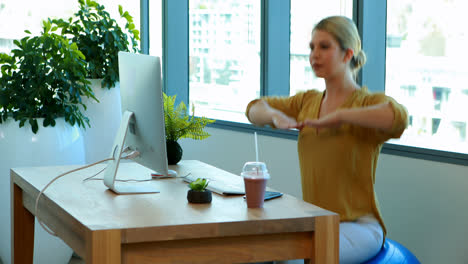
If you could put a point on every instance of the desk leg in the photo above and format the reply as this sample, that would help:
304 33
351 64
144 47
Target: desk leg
22 229
103 247
326 239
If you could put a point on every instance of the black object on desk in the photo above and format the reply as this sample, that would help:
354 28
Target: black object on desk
271 195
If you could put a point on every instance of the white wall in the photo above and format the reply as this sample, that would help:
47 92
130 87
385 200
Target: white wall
424 203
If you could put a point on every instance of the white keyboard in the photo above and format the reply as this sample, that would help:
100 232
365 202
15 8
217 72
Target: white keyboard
219 187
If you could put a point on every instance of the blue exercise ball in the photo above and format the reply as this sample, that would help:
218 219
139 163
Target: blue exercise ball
393 252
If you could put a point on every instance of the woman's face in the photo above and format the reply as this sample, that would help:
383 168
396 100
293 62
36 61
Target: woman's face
327 59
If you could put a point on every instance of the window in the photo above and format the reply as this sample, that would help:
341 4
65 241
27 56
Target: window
224 57
426 71
18 16
304 16
155 28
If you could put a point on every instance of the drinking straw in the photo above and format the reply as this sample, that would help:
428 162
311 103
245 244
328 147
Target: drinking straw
256 147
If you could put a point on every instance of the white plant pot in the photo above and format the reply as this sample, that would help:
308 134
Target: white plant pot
104 119
20 147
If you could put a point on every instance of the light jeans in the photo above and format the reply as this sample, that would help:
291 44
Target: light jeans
360 240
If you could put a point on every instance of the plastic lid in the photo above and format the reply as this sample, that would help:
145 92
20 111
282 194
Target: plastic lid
255 169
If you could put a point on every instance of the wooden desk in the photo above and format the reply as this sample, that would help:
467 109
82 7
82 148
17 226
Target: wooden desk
103 227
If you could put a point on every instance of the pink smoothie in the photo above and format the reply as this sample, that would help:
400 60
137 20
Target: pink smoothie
255 191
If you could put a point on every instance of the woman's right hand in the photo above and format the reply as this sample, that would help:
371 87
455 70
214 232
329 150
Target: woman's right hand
262 114
282 121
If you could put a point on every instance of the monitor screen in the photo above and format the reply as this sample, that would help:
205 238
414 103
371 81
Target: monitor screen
142 127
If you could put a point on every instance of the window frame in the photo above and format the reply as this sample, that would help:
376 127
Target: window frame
275 78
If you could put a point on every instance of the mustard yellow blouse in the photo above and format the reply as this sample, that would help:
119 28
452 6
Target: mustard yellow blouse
338 164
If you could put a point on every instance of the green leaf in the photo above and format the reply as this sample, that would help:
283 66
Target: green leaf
46 25
179 124
34 125
47 43
46 122
136 33
199 184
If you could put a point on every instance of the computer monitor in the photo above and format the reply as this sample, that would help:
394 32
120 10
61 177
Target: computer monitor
142 127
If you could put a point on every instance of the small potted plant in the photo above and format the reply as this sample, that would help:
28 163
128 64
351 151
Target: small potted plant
179 124
198 192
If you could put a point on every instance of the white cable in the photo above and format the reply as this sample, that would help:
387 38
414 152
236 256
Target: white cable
61 175
132 155
94 175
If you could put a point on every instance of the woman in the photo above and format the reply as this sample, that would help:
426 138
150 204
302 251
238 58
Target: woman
341 133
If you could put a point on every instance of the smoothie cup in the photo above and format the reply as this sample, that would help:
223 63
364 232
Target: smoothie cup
255 176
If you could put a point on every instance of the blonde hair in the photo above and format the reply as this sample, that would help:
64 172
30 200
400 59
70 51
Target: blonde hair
346 34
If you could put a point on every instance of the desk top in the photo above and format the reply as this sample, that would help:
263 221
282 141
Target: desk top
161 216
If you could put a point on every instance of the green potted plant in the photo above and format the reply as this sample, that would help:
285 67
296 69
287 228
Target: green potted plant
100 38
44 78
179 124
42 87
198 192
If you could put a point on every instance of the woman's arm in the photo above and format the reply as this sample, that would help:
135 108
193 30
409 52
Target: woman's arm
378 116
260 113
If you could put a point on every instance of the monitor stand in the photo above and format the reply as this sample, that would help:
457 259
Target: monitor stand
111 171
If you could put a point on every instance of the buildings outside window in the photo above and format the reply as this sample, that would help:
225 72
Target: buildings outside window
426 71
304 16
224 57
